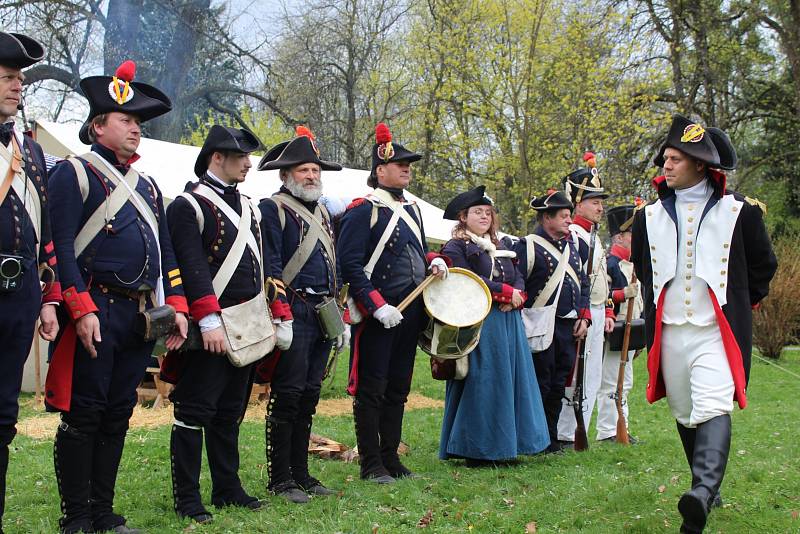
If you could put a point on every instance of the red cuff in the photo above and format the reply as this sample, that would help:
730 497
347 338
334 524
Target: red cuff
585 313
430 256
281 310
179 303
524 295
756 306
346 316
504 296
376 298
618 295
610 313
53 294
204 306
79 303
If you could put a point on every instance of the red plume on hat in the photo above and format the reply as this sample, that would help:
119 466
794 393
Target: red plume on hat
303 131
382 134
590 159
126 71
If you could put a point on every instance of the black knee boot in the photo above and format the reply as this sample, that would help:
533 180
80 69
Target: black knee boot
107 453
391 429
687 439
72 456
366 415
222 448
281 412
301 433
7 434
711 447
186 456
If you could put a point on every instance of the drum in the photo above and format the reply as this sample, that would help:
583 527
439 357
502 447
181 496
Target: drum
456 307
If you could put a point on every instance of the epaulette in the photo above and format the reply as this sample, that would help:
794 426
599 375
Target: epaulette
356 202
755 202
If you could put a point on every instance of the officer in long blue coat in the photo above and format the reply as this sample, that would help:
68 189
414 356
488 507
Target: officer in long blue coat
211 394
25 241
553 365
117 260
385 340
305 280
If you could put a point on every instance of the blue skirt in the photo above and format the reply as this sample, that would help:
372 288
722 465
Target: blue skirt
496 412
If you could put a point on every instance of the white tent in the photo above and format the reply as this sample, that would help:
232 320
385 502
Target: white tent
171 164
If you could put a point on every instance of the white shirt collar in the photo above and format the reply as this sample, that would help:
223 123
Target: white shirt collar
697 193
216 181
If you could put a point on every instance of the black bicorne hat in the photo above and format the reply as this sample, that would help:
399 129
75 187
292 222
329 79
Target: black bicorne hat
584 184
301 149
19 51
551 201
224 139
386 151
620 218
727 154
690 138
463 201
107 94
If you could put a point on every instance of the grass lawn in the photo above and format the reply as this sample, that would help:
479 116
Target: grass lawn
607 489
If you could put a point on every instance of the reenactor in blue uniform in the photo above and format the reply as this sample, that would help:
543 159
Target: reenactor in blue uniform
211 394
572 315
25 241
384 256
116 261
299 252
622 286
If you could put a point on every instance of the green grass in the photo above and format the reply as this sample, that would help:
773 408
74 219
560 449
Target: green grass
607 489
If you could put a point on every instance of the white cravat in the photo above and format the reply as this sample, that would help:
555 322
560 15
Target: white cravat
687 298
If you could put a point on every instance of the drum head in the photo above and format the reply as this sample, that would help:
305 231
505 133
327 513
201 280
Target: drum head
462 299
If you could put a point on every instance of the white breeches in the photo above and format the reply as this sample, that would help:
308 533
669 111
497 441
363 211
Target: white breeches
696 373
606 405
591 381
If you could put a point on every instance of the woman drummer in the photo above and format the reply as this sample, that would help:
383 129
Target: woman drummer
495 413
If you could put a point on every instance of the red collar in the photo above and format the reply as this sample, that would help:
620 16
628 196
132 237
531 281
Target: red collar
583 222
621 252
717 178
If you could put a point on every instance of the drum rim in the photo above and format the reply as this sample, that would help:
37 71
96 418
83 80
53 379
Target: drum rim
470 274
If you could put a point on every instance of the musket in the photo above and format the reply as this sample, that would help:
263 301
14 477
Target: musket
622 424
581 439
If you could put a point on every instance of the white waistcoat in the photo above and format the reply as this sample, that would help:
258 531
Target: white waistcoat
598 282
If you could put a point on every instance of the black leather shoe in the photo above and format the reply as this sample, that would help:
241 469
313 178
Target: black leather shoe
202 518
291 492
717 501
380 479
319 490
125 529
256 504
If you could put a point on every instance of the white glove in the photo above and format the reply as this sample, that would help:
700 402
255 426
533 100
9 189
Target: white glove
284 335
440 264
631 290
343 340
388 315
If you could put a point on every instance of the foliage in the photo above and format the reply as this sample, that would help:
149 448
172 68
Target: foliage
776 322
606 489
267 128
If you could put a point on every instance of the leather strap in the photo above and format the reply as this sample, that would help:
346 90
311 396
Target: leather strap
557 279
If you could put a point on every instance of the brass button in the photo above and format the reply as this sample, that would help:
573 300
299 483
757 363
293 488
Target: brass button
734 209
723 273
726 245
722 284
688 302
655 273
689 243
688 313
690 219
688 276
652 247
690 231
655 286
688 289
724 260
689 254
688 265
654 260
691 207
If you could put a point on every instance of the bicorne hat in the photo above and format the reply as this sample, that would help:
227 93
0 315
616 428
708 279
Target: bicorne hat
551 201
584 184
465 200
224 139
692 139
301 149
120 93
620 218
727 154
386 151
19 51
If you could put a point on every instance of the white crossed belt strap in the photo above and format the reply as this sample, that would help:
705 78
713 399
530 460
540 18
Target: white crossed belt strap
23 188
316 233
244 234
384 198
124 191
563 269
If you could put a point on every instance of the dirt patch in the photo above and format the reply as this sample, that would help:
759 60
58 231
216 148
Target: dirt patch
44 426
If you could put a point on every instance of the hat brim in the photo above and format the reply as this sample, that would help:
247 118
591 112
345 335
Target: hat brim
30 51
284 164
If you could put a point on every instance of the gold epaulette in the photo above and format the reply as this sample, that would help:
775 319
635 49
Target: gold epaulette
755 202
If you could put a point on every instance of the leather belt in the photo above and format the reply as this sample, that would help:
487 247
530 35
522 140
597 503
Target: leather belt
130 294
